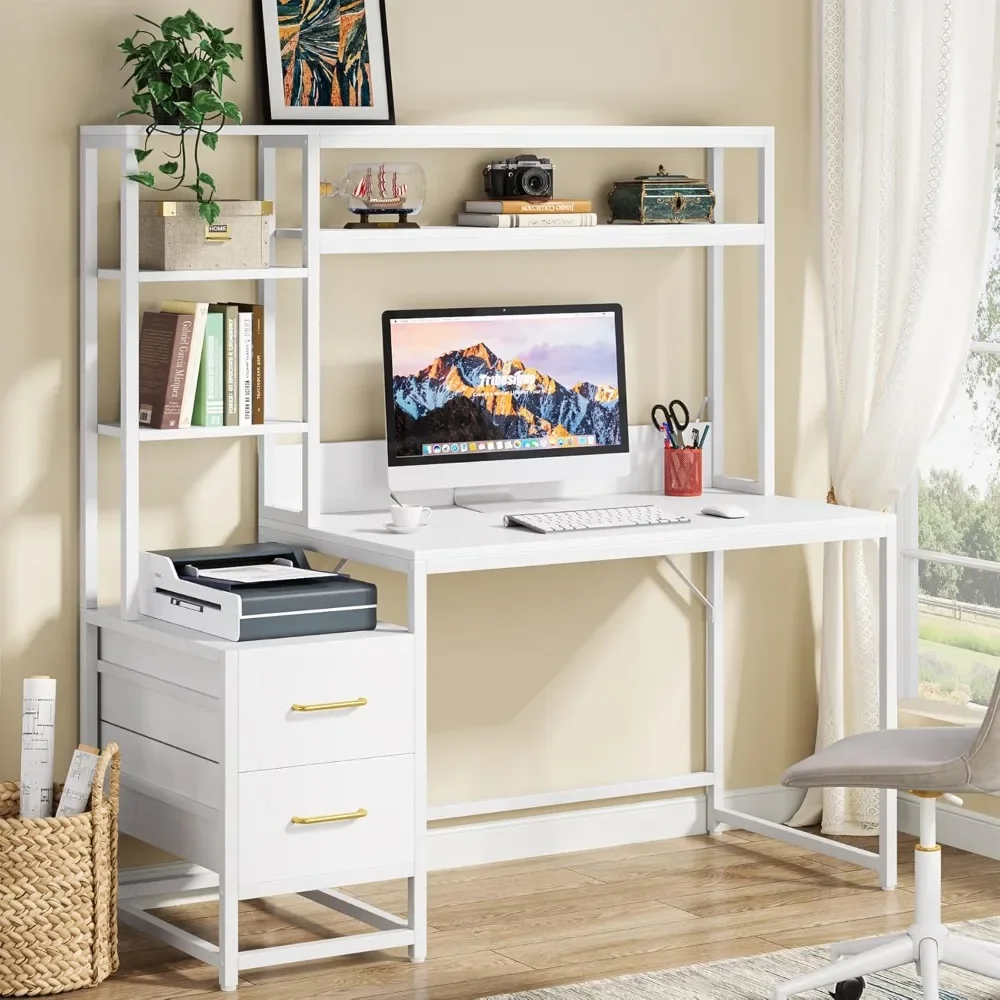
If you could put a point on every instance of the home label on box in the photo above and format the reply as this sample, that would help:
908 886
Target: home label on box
174 237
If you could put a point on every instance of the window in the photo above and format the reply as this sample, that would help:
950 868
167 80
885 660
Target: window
950 529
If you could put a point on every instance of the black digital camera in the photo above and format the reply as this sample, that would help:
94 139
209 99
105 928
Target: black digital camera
524 176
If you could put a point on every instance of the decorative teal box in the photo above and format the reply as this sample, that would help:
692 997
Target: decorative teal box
661 197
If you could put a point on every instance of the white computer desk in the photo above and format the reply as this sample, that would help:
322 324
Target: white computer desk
458 540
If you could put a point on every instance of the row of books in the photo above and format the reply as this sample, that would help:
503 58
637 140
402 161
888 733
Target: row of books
512 214
201 364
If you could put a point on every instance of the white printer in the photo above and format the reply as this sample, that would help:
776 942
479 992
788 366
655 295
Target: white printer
261 591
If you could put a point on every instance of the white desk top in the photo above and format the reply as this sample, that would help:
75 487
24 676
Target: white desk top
458 540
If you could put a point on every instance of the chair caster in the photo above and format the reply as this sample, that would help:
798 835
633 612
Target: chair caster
849 989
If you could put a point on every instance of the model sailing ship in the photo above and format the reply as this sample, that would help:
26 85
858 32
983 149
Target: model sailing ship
376 195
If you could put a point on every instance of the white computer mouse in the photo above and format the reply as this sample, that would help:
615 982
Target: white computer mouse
724 510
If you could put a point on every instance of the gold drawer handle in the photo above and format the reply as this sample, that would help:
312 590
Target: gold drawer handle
330 706
335 818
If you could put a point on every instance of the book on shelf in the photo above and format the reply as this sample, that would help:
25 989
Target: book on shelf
199 310
244 389
553 206
232 365
257 409
164 354
210 396
555 221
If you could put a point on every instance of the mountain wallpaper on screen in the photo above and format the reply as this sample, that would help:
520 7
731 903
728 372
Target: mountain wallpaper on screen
472 395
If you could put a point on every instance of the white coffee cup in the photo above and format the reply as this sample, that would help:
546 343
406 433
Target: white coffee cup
409 515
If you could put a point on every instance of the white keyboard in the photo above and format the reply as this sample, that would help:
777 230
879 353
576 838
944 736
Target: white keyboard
548 522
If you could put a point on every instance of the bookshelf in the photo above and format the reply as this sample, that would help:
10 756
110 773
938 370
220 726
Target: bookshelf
100 143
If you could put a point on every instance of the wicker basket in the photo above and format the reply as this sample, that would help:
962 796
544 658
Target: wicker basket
59 892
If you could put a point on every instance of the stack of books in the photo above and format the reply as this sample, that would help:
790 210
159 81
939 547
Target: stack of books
201 364
527 214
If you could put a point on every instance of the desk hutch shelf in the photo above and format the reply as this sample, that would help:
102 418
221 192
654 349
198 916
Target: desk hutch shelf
124 648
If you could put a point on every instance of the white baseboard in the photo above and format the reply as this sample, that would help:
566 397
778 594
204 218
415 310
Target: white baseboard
482 843
956 827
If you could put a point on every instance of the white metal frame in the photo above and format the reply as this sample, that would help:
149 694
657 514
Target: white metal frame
304 524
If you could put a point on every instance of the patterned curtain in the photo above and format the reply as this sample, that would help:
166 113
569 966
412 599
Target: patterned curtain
908 129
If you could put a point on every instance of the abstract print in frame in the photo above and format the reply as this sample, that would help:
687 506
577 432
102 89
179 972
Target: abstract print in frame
325 62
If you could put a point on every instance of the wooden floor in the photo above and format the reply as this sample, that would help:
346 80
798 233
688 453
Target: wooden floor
568 918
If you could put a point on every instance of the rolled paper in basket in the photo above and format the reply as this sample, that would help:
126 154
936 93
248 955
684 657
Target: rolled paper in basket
38 728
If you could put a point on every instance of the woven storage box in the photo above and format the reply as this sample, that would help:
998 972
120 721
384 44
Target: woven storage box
59 892
174 237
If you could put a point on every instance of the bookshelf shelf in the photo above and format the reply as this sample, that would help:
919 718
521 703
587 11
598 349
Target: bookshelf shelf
498 137
459 239
240 274
192 433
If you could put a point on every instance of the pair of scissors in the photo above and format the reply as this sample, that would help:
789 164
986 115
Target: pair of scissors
676 418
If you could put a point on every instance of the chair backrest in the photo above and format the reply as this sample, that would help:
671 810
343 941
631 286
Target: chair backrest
984 757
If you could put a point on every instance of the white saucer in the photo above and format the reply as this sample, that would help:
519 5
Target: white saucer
398 529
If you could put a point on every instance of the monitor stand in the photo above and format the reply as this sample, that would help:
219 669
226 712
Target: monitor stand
525 496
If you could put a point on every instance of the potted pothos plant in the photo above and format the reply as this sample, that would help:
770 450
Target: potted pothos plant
178 70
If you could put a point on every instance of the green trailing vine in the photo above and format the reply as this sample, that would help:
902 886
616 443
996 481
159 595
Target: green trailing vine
178 72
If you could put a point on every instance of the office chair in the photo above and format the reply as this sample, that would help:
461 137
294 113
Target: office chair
933 763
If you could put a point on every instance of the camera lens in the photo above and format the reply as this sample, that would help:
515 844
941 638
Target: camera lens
535 182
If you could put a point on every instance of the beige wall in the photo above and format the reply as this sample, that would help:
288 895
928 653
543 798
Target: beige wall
540 678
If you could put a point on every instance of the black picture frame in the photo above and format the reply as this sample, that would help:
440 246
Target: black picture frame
381 110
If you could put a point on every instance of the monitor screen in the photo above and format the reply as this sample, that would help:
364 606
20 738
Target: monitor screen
470 385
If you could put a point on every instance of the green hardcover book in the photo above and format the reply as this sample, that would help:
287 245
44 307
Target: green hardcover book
210 396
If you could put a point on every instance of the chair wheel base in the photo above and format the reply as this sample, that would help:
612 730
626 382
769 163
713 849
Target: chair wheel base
849 989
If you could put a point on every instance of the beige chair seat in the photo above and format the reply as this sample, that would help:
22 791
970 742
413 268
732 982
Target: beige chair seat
928 760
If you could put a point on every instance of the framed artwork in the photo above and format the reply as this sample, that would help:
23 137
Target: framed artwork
325 62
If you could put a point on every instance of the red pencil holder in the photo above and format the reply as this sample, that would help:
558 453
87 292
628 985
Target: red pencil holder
682 472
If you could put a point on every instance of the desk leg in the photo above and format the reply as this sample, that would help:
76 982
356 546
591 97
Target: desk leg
715 678
229 870
417 888
887 695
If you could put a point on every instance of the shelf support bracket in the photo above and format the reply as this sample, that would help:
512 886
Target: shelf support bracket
701 597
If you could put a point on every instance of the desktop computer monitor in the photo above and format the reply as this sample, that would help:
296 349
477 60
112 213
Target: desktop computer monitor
516 394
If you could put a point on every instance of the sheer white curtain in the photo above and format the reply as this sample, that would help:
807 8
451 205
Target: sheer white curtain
908 127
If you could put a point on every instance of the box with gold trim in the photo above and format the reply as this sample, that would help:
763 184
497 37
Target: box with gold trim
174 237
661 198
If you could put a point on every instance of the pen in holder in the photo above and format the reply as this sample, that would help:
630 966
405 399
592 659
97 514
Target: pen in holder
681 472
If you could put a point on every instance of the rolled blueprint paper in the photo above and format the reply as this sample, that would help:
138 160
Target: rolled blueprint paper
79 781
38 731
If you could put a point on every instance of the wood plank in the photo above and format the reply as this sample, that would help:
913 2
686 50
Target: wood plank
528 927
682 845
534 979
644 940
449 916
361 976
774 855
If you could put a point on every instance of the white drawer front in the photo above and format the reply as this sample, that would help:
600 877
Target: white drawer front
326 684
159 766
170 714
273 847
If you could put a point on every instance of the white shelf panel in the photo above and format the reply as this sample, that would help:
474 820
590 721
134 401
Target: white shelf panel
540 137
460 239
190 433
237 274
511 138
